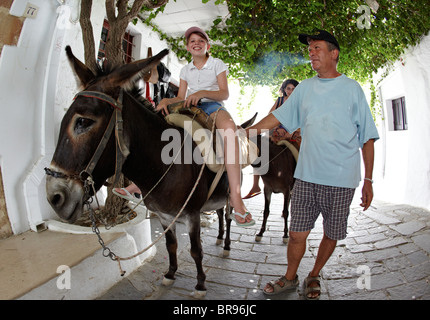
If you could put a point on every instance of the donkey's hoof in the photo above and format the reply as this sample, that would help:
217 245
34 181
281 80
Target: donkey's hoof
285 240
226 253
218 242
258 238
198 294
167 282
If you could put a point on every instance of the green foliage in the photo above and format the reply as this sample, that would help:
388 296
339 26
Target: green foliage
246 99
259 38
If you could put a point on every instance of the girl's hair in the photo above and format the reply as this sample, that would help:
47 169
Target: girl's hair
284 85
200 35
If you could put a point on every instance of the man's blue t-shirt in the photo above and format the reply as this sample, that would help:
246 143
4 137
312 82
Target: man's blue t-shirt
335 121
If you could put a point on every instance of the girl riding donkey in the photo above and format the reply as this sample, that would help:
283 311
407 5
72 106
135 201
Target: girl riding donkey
205 79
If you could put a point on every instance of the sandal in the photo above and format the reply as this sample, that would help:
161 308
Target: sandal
128 196
277 288
243 216
309 289
251 195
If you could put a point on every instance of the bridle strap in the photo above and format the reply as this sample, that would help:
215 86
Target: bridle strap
121 147
101 147
116 104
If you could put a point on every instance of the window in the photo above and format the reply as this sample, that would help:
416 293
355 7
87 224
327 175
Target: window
127 44
102 47
399 114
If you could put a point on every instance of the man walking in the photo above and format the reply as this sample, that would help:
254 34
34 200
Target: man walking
335 121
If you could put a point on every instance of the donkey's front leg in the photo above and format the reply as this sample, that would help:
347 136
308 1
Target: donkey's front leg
220 213
197 254
285 214
227 242
172 246
266 212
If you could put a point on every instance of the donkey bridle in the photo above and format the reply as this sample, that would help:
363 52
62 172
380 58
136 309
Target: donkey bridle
122 150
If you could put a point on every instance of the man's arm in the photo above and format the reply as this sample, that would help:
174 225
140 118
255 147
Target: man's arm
367 190
267 123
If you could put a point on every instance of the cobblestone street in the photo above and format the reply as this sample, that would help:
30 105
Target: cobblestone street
384 257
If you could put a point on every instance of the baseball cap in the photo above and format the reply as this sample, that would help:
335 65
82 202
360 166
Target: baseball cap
194 30
321 35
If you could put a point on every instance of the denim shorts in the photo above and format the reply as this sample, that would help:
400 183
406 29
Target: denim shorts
309 200
211 107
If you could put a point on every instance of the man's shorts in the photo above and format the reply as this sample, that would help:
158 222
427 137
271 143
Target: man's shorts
310 199
210 107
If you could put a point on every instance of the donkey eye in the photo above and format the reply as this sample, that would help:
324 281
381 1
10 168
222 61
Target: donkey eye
83 124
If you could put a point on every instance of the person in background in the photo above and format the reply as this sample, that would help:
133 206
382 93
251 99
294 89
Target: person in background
279 133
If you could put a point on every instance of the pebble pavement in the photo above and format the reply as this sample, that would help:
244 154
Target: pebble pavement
384 257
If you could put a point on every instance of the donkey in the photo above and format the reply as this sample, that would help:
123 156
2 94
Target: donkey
277 179
83 127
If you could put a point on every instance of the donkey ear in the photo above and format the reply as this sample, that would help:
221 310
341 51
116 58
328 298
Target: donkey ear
84 74
124 75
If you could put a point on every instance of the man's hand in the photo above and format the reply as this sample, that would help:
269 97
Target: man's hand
366 195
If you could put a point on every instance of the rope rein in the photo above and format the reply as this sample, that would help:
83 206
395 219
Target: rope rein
108 252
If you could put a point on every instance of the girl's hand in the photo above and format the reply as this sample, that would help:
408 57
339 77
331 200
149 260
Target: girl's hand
193 100
162 106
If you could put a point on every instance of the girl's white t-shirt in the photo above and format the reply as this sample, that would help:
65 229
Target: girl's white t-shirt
205 78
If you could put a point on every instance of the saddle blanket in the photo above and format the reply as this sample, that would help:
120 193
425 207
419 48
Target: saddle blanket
290 146
210 146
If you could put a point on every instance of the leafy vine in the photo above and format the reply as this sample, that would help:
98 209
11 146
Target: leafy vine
258 39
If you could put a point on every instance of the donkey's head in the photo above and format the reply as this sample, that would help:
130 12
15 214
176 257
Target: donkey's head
81 131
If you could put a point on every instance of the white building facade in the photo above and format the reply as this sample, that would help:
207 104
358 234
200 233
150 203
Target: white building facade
402 163
37 86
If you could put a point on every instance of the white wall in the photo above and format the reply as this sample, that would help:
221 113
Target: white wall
402 164
24 81
36 87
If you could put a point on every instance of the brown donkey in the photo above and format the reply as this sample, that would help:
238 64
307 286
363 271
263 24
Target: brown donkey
277 178
83 130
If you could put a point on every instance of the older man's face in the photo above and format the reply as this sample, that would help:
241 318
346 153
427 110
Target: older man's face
320 56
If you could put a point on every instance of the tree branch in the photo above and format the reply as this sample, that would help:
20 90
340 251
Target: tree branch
138 4
88 35
110 10
122 9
